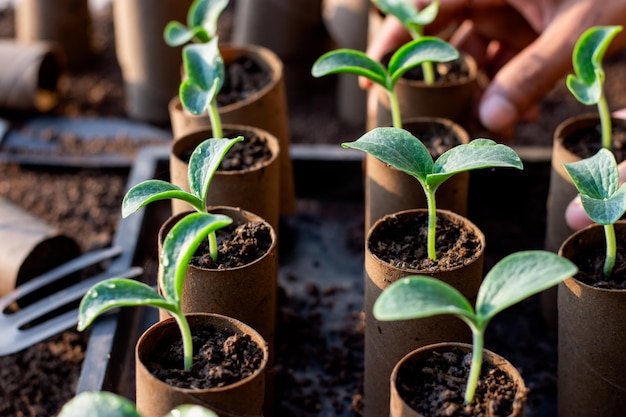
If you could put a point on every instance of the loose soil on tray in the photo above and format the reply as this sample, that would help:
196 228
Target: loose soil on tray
86 202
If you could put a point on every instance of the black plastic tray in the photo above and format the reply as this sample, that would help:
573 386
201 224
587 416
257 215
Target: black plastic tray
321 280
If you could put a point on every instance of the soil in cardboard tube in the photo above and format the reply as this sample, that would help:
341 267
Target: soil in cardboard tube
221 357
435 386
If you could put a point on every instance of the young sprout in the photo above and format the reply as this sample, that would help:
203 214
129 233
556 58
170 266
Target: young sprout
399 149
179 246
203 163
202 60
202 19
511 280
414 21
108 404
597 180
416 52
587 85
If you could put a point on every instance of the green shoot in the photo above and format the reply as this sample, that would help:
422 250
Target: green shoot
414 21
202 19
202 60
510 281
204 162
178 248
399 149
406 57
587 85
597 180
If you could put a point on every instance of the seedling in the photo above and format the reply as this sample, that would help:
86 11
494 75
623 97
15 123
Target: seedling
411 54
511 280
587 85
108 404
202 60
414 21
178 247
202 19
399 149
203 163
602 197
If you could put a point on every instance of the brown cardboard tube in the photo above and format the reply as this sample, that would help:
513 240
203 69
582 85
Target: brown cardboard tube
29 246
29 75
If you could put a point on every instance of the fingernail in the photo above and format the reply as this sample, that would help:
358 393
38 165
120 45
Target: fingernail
497 113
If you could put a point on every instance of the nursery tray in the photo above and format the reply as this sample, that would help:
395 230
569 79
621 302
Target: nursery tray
319 335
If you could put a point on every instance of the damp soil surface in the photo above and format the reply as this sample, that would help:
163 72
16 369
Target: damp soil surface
324 378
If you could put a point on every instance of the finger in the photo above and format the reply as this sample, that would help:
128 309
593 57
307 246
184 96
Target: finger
526 78
575 215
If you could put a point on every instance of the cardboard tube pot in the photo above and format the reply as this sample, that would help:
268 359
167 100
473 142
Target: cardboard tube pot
560 192
65 22
29 246
256 189
29 75
150 68
155 398
400 408
265 109
591 337
388 190
452 100
248 293
386 342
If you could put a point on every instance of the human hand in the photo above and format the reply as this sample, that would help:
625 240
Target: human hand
523 46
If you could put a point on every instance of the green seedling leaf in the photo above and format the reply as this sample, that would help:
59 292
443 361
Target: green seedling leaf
117 292
205 161
597 180
191 411
179 246
398 148
587 84
417 52
410 17
204 67
353 62
401 150
202 23
99 404
512 279
153 190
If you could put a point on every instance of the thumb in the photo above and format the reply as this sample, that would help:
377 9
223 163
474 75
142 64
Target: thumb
522 83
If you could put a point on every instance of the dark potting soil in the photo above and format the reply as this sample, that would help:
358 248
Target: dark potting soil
445 72
437 138
401 241
586 142
221 357
237 245
247 154
244 77
591 268
436 386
